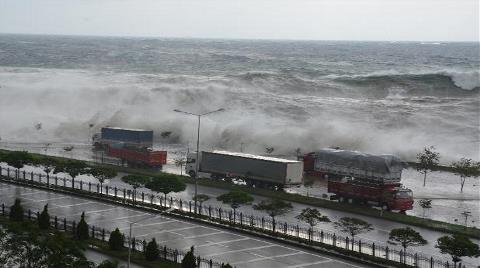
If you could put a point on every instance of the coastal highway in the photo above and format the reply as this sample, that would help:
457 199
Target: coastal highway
220 245
379 235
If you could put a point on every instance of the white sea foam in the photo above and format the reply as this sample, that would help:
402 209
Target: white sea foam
67 101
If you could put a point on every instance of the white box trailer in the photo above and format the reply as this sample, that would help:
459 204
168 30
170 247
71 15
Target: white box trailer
254 169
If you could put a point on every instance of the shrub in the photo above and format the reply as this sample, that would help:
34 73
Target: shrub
151 251
189 260
82 228
16 211
44 219
116 240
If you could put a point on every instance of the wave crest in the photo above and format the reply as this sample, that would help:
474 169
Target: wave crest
466 80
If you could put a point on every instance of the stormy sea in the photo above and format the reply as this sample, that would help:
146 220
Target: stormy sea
377 97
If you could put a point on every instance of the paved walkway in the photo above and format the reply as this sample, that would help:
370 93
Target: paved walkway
218 244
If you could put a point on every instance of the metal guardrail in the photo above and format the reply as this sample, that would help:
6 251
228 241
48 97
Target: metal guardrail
294 232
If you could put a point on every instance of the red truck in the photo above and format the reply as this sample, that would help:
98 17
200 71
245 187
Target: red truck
131 146
139 158
356 177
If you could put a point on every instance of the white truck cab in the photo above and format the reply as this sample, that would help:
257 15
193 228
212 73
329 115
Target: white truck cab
190 166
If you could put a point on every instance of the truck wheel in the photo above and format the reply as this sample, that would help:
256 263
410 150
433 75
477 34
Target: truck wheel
191 173
341 199
385 207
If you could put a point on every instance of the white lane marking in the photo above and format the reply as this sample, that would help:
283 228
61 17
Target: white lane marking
171 231
121 218
308 264
97 211
223 242
238 250
267 258
22 194
202 235
78 204
146 225
44 200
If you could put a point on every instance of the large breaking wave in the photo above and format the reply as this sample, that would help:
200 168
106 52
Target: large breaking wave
260 112
467 80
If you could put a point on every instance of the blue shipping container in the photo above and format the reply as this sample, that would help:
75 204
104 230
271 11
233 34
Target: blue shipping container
127 135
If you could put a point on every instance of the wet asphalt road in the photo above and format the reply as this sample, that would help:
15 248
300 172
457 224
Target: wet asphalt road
214 243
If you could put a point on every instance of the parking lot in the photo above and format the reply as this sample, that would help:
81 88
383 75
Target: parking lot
213 243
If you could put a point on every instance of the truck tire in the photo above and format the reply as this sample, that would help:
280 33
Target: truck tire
191 173
385 207
341 199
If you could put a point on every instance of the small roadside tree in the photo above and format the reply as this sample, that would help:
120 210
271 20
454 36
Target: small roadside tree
103 174
353 226
18 159
151 251
406 237
136 181
457 246
188 260
311 216
44 219
180 162
235 198
116 240
427 159
466 168
73 168
82 228
425 204
16 211
166 183
274 208
200 198
47 164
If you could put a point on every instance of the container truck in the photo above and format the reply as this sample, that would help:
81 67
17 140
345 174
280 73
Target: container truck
131 146
256 170
138 138
356 177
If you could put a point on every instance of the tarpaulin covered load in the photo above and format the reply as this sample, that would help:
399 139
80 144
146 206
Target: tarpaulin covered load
381 168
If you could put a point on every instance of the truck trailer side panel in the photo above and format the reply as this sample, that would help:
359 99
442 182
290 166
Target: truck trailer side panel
254 168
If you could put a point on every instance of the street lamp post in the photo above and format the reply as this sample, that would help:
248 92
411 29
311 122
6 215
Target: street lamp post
130 231
198 145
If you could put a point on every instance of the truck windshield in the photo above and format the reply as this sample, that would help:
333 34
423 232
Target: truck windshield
404 194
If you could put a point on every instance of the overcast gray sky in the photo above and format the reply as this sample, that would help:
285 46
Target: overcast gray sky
426 20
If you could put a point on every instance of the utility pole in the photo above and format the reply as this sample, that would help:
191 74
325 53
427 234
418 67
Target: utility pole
198 146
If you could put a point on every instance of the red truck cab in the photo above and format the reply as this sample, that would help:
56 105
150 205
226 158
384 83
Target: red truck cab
389 197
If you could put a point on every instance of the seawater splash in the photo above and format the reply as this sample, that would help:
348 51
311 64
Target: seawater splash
374 97
67 101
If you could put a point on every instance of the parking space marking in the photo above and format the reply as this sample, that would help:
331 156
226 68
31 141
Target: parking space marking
267 258
43 200
121 218
25 191
239 250
151 224
202 235
78 204
97 211
308 264
223 242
